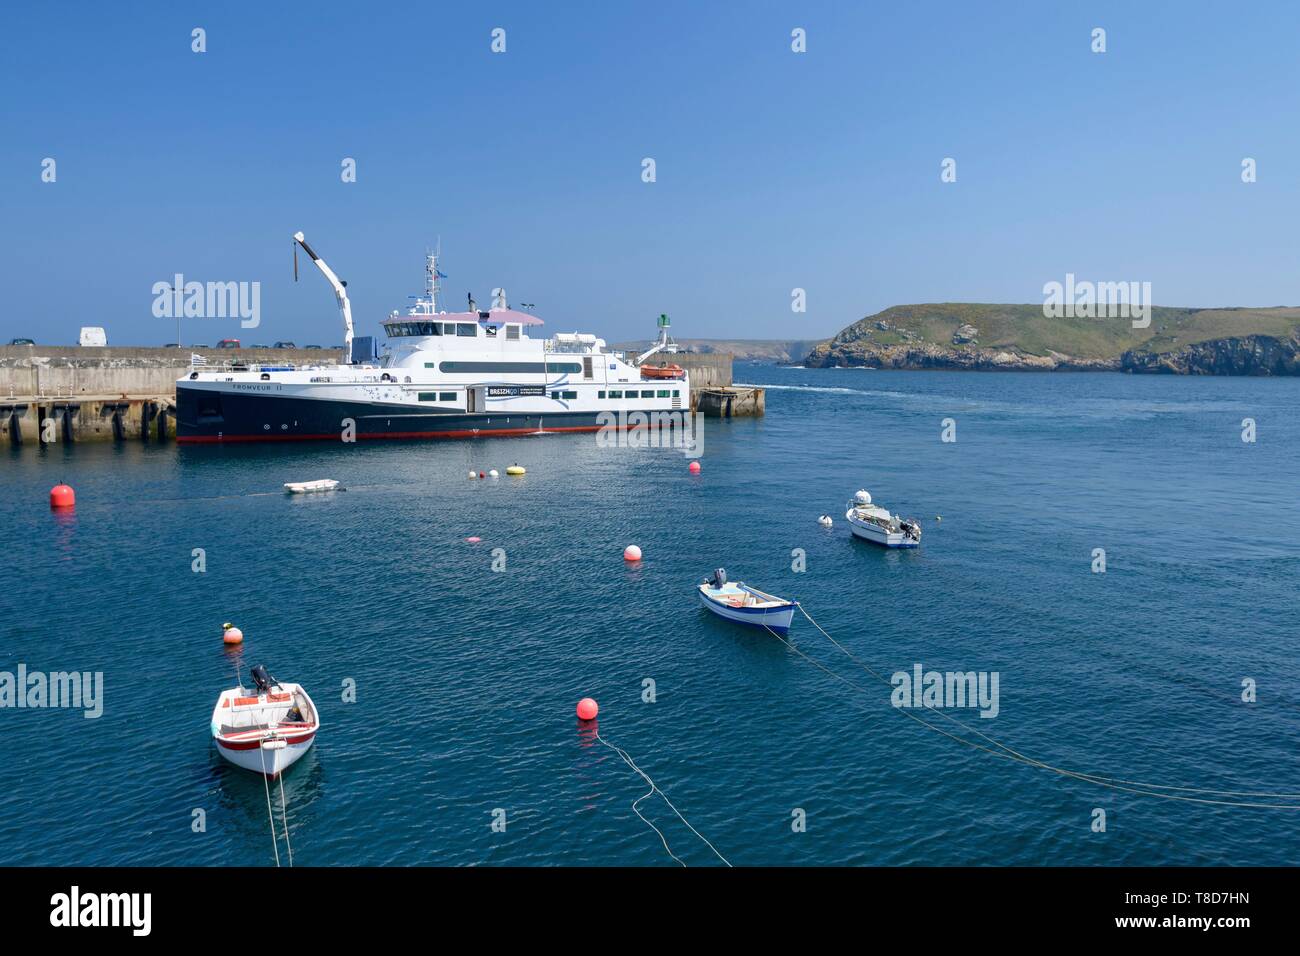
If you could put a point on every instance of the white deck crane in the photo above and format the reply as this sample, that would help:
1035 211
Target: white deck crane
340 292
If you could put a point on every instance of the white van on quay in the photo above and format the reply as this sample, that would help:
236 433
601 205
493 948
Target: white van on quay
93 336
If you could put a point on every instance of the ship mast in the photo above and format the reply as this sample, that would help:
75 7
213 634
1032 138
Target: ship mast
431 268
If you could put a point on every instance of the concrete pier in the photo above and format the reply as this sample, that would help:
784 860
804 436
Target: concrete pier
51 393
730 402
707 370
68 371
712 392
82 418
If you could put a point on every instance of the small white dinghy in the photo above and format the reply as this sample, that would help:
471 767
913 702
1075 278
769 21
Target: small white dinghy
737 601
873 523
265 729
307 487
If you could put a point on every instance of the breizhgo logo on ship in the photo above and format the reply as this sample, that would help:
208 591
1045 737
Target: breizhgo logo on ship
209 300
682 430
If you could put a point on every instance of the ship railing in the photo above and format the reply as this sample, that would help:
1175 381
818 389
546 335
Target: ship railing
200 364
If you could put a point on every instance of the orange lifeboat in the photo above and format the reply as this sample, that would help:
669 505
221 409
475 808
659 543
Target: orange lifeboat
662 371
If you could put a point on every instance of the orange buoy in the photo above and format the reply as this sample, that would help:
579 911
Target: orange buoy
231 634
694 468
62 496
631 553
587 709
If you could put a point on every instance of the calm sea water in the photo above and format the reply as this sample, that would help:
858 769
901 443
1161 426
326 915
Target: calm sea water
466 678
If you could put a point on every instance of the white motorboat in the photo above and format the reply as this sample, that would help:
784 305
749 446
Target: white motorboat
265 729
737 601
873 523
307 487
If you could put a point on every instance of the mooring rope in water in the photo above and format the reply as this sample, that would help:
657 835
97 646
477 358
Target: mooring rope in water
654 788
270 815
1008 753
285 820
1019 756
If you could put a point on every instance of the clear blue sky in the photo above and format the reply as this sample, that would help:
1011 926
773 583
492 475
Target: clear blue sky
775 170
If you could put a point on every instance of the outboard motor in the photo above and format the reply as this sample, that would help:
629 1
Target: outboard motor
262 679
717 579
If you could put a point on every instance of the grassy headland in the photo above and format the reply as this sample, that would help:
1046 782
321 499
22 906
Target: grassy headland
989 336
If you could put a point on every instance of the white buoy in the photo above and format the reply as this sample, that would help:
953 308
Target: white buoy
494 474
825 521
473 474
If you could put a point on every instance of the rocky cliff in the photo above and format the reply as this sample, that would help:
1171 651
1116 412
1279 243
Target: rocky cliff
1250 355
977 337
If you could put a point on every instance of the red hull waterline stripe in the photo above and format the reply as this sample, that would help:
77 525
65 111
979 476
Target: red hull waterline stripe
460 433
254 744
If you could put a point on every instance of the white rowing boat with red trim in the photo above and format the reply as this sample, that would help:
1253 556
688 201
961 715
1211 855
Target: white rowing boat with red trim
265 729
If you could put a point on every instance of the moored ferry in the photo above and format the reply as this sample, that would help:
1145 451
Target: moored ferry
441 375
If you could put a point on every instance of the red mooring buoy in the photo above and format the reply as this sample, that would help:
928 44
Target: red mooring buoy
62 496
587 709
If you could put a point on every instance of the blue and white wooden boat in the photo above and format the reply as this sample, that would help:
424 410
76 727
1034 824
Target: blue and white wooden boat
737 601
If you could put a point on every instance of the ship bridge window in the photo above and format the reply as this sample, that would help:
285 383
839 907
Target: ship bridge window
467 329
411 329
512 333
558 367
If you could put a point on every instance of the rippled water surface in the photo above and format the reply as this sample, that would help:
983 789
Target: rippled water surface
466 678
